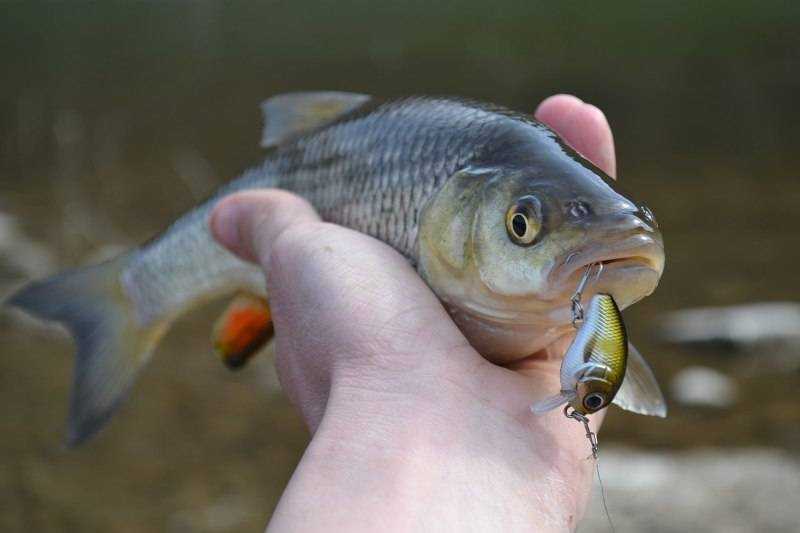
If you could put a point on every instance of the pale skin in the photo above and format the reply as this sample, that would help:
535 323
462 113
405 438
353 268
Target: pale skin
412 430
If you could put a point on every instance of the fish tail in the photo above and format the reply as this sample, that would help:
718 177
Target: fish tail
111 345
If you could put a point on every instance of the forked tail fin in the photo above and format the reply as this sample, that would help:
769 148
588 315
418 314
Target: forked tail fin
111 345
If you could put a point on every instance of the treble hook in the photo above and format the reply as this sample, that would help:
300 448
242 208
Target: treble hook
575 300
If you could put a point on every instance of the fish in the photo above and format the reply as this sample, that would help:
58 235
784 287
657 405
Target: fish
496 212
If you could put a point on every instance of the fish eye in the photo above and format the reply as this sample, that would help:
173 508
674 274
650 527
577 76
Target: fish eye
523 220
594 401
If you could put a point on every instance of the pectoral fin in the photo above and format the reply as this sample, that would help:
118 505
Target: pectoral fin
640 392
242 330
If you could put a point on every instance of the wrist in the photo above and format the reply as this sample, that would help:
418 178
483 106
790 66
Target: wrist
434 449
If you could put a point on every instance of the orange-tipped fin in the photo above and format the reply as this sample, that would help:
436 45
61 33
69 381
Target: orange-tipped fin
242 330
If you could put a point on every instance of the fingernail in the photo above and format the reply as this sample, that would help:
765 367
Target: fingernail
225 226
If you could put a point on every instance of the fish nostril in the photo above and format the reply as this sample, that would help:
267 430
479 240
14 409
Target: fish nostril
647 215
578 209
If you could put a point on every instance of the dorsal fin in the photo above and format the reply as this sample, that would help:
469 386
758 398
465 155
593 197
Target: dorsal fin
287 115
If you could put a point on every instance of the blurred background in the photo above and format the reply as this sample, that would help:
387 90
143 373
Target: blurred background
116 118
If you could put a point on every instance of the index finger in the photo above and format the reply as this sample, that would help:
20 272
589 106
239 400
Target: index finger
583 126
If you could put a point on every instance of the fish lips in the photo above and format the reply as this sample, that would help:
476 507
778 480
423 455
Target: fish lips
632 266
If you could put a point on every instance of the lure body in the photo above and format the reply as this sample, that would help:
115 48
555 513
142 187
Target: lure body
594 366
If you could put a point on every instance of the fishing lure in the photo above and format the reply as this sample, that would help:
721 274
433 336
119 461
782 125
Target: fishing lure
594 366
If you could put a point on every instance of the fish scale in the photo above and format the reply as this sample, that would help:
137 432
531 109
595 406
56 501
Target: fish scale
331 169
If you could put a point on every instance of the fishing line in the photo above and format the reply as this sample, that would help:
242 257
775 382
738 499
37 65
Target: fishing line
592 438
603 494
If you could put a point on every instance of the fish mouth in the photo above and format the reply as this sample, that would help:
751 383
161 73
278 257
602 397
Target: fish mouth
631 268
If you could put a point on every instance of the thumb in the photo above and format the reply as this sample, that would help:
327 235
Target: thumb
248 223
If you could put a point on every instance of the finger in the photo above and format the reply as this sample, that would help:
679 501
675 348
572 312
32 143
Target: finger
248 223
583 126
336 294
320 275
356 293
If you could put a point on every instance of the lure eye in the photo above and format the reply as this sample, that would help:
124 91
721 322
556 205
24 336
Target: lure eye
523 220
594 401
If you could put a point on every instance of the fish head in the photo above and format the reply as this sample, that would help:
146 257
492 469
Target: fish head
505 247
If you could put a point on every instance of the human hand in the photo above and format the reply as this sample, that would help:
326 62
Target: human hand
412 429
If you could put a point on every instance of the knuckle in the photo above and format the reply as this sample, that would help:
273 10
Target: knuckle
296 237
297 244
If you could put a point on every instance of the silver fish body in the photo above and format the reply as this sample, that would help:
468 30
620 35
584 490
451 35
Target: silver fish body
372 171
446 182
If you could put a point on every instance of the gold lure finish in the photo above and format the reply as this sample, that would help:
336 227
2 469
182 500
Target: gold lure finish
602 346
594 366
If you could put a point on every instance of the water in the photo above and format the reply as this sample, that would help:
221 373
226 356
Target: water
115 119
